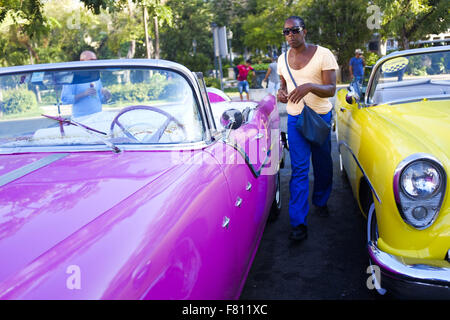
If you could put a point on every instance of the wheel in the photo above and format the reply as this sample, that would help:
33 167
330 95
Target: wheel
148 137
372 236
275 210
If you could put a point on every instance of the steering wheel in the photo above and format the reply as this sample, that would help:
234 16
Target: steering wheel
155 137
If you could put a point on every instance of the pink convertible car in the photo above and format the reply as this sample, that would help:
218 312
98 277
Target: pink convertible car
119 179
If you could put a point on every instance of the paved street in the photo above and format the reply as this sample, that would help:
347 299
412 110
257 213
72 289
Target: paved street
330 264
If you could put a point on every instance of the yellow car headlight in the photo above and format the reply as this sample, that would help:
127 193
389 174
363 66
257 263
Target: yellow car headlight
419 188
420 179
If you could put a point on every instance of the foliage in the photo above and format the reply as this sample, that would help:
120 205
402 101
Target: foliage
191 21
139 92
18 101
337 25
411 20
260 66
212 82
371 58
262 30
27 15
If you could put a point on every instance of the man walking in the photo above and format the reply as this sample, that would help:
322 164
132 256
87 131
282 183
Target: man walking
85 98
272 75
243 85
314 70
356 67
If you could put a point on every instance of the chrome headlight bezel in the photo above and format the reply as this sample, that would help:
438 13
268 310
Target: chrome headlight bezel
407 203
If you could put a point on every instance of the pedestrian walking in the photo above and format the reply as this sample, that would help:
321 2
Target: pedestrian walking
273 84
314 69
356 66
243 85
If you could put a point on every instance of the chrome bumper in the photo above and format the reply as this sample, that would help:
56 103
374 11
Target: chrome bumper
411 278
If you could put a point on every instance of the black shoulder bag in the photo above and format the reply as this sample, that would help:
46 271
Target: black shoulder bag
309 123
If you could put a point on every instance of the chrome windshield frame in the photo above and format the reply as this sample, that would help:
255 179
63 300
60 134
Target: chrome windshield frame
393 55
190 77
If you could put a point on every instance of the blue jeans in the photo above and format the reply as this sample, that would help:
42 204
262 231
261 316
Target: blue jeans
243 86
358 79
301 151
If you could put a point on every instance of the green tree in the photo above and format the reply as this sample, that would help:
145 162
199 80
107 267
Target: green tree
262 29
26 14
412 20
339 25
157 9
25 23
191 30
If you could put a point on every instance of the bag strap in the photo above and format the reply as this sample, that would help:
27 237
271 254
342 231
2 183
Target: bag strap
288 69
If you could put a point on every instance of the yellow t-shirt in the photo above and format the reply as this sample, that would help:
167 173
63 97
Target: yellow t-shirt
322 59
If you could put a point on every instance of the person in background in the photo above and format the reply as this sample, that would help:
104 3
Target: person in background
356 67
273 83
85 98
314 69
243 85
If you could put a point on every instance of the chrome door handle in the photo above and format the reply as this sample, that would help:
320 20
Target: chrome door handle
226 222
259 136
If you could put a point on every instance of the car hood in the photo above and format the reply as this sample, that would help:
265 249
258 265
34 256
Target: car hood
424 123
51 213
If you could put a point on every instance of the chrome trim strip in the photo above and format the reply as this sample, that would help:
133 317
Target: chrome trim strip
22 171
343 143
396 183
395 55
100 148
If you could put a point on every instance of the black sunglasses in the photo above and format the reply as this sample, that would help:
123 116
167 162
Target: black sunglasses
294 30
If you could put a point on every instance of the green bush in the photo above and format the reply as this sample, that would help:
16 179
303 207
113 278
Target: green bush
18 101
212 82
139 92
260 66
371 58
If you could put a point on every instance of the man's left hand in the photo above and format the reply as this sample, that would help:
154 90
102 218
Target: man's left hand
298 93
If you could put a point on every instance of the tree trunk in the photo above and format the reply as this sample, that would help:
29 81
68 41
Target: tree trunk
132 47
405 41
155 20
147 44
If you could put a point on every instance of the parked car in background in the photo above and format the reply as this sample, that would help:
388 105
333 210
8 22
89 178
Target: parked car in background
147 192
394 145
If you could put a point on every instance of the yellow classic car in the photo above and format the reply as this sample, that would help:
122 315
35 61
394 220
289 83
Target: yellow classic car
394 148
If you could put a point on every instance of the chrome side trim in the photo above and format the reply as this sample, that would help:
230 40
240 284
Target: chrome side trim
343 143
123 147
22 171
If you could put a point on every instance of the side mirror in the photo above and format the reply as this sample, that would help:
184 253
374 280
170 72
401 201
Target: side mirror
231 119
353 95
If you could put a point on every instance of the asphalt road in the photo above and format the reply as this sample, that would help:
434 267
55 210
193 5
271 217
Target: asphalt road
330 264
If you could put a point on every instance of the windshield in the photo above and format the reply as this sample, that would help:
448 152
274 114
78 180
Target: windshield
411 77
123 106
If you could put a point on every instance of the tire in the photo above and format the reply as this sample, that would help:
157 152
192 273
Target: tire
275 209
